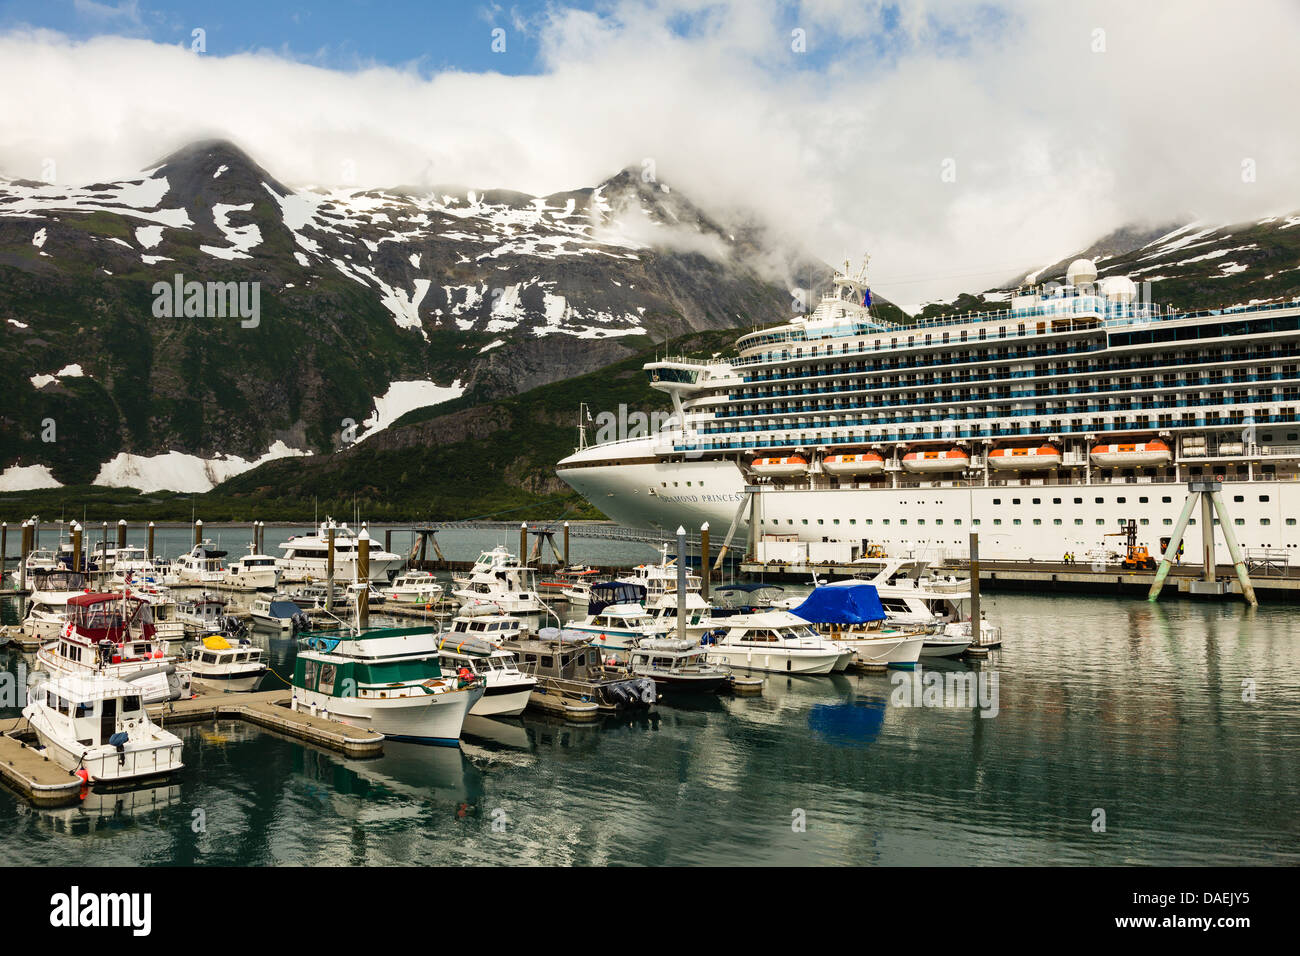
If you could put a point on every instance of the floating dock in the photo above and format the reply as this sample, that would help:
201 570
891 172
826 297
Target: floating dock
46 784
1058 576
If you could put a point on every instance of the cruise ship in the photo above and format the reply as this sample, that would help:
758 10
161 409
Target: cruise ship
1045 426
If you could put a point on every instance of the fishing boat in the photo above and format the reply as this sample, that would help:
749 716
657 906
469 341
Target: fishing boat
776 641
680 664
508 687
96 727
390 680
850 615
572 679
113 634
413 587
215 664
202 565
616 621
253 572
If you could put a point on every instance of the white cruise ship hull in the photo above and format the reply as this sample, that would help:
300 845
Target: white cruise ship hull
1022 521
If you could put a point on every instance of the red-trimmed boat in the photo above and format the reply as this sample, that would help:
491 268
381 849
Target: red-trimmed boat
113 634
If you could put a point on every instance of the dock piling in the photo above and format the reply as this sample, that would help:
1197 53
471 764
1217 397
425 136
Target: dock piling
76 546
198 531
121 533
363 577
149 540
329 568
566 544
681 582
705 571
523 542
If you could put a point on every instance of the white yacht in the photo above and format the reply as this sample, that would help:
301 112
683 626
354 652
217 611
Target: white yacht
387 679
776 641
50 592
306 557
661 579
203 565
510 587
37 562
206 615
113 634
679 664
280 613
131 564
486 561
913 595
252 572
217 665
616 622
699 619
413 587
1043 424
96 727
485 622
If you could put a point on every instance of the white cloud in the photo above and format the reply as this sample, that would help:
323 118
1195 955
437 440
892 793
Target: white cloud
1052 143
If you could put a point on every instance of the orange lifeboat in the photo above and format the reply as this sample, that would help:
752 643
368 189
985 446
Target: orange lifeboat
779 467
1026 457
946 459
1135 455
868 464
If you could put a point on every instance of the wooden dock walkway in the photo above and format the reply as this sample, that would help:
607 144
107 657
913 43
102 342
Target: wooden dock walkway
46 784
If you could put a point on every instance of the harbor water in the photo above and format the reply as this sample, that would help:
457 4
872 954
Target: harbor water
1107 731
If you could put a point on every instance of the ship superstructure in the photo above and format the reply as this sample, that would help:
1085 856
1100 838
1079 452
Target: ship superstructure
1043 426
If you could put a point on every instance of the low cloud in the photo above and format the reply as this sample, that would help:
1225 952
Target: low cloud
960 142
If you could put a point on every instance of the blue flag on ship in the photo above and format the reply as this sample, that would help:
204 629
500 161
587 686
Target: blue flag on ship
866 297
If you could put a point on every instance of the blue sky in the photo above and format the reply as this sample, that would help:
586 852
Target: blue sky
336 33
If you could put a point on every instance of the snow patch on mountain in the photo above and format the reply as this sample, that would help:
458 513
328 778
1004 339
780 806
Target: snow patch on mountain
177 471
403 397
28 478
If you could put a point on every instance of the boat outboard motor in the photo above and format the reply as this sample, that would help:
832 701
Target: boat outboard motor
119 740
645 687
620 693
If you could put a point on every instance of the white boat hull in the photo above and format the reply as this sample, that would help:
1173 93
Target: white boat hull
105 764
788 661
433 718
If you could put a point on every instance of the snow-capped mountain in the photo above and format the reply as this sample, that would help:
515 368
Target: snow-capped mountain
368 303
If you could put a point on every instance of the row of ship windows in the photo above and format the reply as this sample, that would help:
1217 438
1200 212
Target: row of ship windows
1101 522
1092 366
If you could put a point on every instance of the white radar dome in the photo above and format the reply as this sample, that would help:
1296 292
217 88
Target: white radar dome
1118 288
1081 272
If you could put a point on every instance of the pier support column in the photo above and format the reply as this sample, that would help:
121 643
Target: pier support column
754 534
198 531
76 546
149 542
363 577
329 568
975 588
681 582
1175 542
1230 536
705 571
121 533
566 544
523 543
1207 540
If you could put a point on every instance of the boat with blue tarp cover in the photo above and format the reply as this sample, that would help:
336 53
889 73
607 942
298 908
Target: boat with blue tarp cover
852 616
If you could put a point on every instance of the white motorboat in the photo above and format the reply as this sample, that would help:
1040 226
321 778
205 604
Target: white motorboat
280 613
50 592
413 587
484 622
850 614
617 622
113 634
306 557
253 572
387 679
485 562
217 665
680 664
776 641
205 615
661 579
508 687
96 727
42 560
699 619
912 594
202 565
509 587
